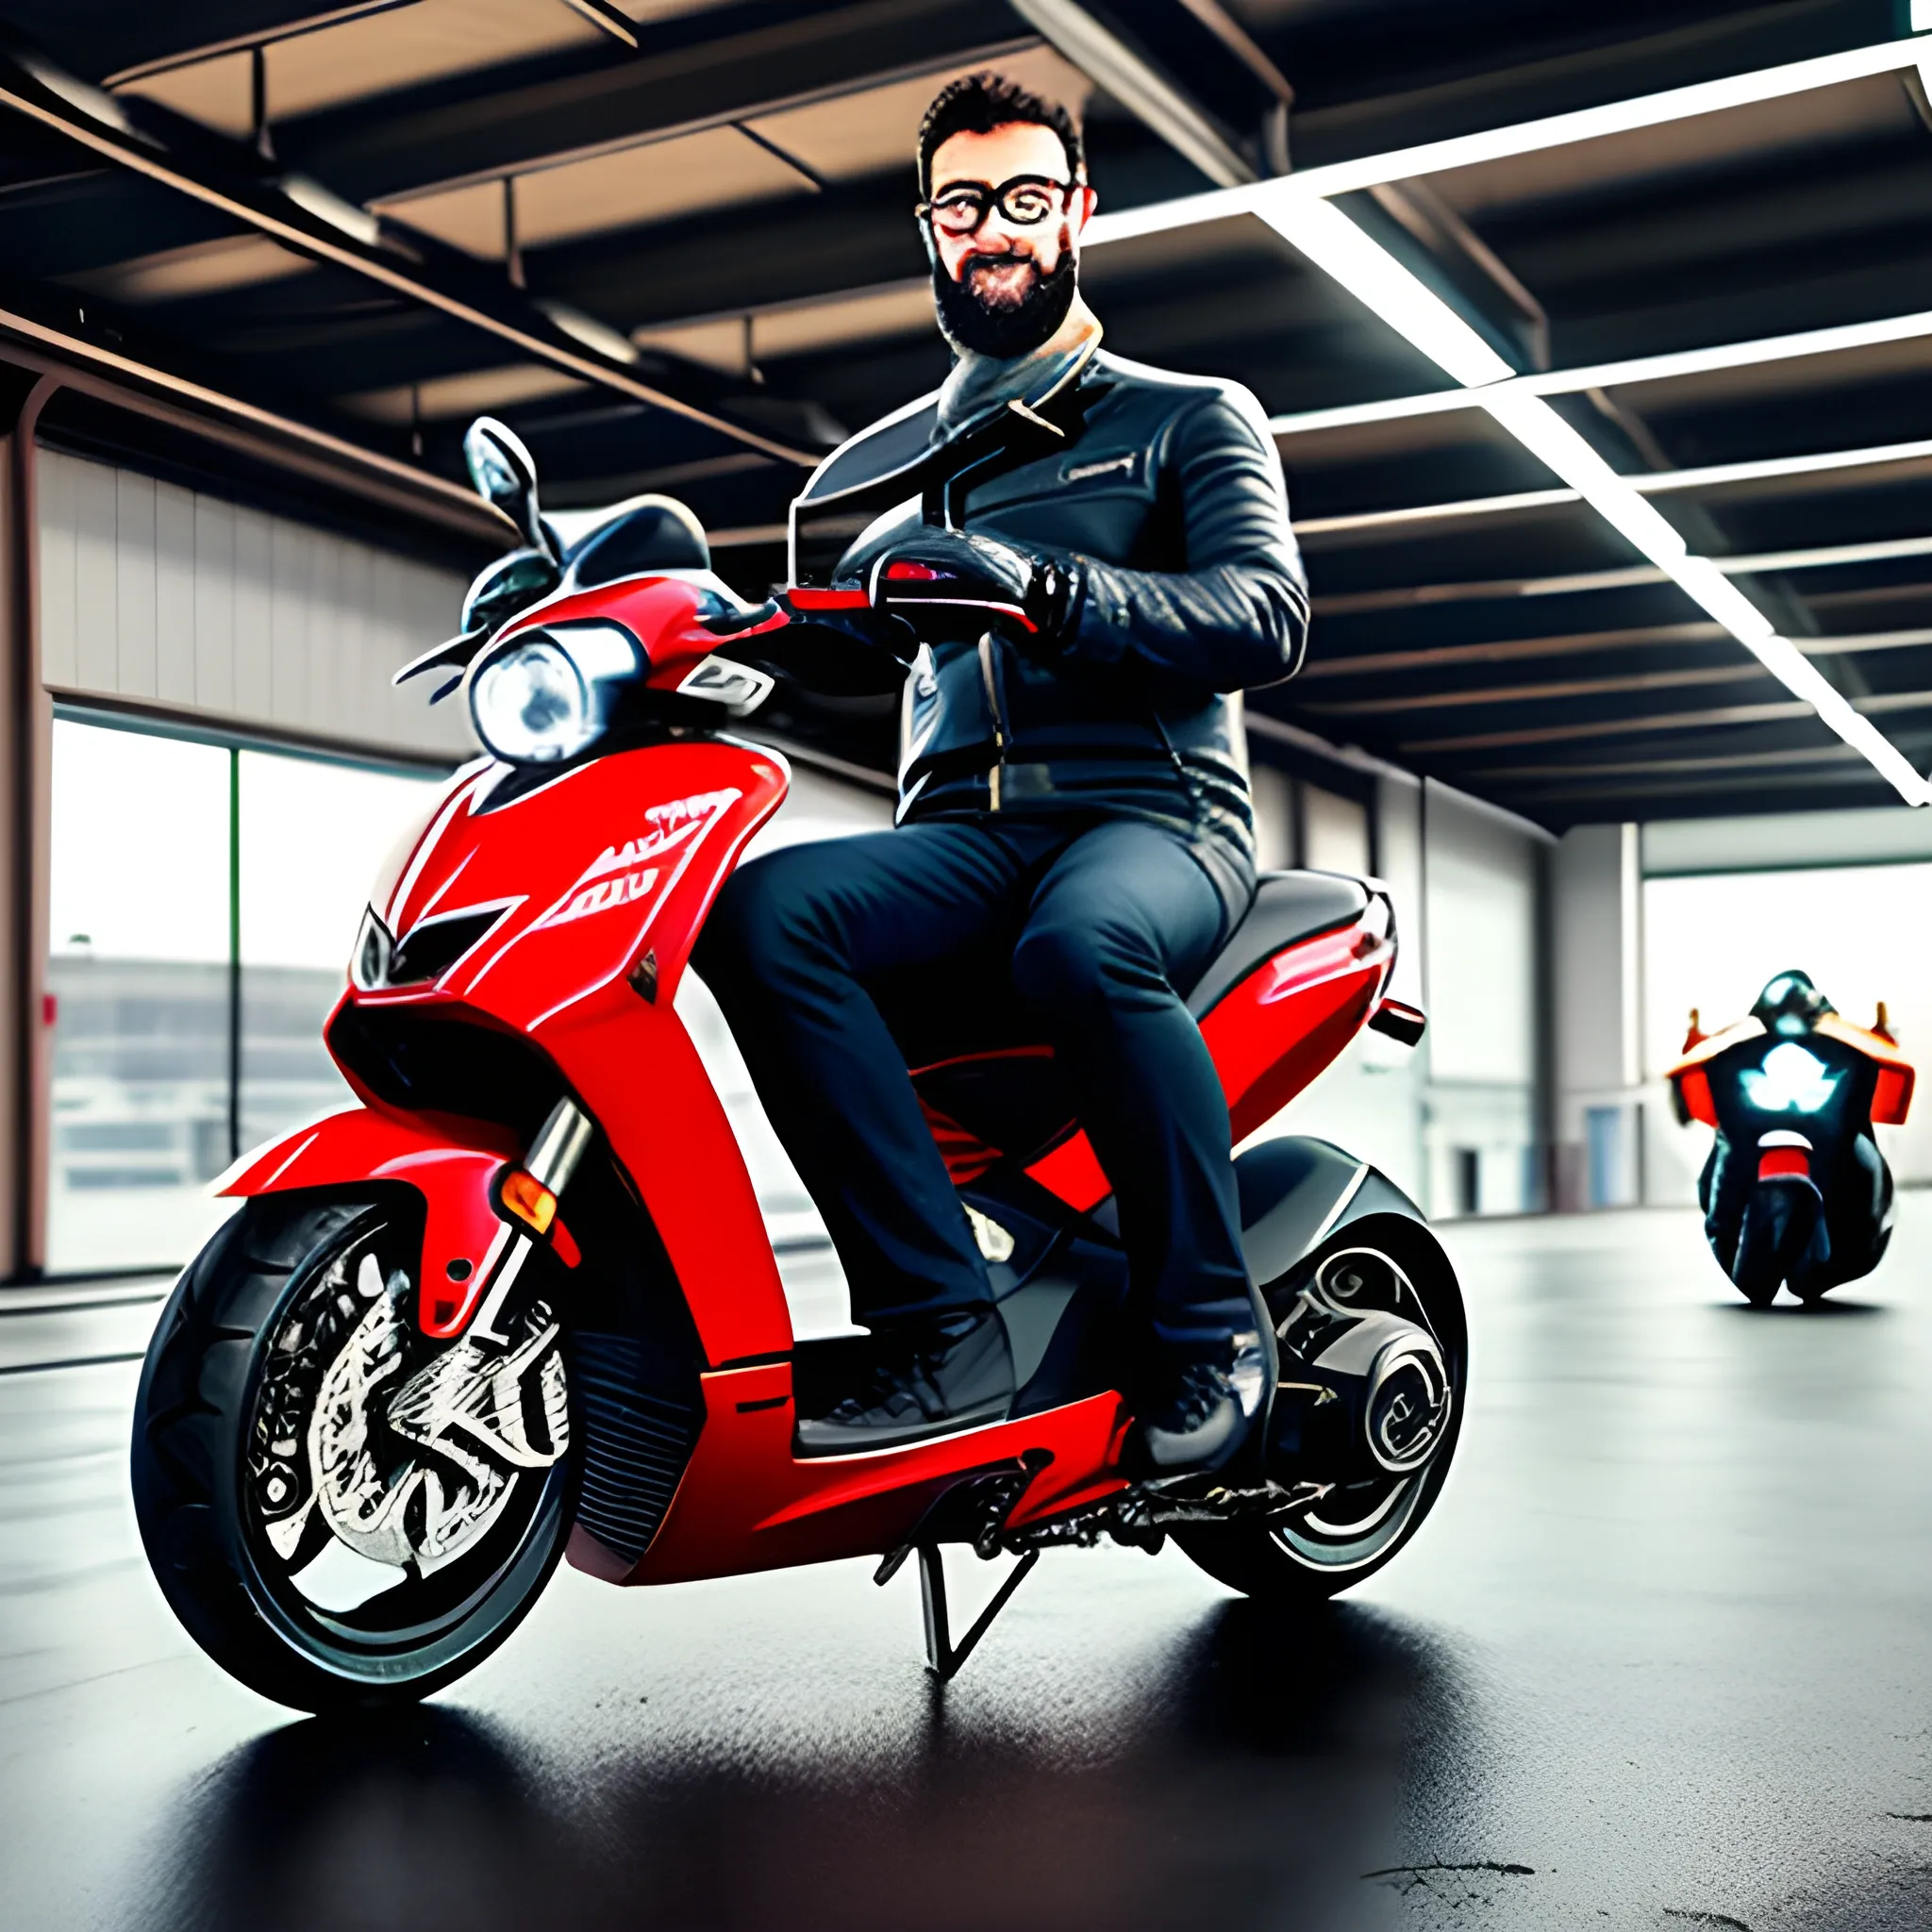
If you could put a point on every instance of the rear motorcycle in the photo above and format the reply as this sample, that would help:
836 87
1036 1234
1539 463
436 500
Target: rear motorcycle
1795 1191
519 1302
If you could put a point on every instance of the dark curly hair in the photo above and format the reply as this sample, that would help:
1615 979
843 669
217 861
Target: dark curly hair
979 103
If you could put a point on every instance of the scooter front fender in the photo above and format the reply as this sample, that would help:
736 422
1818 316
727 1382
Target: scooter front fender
462 1231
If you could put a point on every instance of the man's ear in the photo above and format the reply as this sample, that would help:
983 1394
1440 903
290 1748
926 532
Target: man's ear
1085 202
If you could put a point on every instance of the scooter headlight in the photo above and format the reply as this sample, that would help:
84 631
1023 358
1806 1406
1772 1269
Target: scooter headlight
546 694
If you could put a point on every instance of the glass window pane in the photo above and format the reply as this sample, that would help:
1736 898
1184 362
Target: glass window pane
313 834
139 969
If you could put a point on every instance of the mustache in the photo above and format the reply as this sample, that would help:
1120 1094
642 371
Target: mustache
976 261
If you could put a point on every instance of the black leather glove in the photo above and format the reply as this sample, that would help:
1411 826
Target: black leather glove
951 584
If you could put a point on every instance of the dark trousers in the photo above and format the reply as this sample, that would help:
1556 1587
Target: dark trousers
1105 920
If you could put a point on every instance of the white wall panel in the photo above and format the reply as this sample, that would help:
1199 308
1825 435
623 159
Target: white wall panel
96 648
135 592
1482 943
174 594
1335 832
159 593
1481 895
212 571
59 626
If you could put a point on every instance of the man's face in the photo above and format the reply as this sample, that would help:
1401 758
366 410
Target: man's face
1003 260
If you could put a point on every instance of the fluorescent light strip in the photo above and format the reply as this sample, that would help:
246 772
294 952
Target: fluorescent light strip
1547 436
1527 136
1648 483
1374 276
1636 369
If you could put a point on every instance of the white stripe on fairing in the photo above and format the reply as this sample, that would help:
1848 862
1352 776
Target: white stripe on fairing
292 1158
435 898
420 858
1341 1201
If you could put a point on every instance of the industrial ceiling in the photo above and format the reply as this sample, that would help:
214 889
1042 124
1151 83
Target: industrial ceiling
1605 412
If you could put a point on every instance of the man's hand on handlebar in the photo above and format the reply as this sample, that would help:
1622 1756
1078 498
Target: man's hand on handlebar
931 585
957 584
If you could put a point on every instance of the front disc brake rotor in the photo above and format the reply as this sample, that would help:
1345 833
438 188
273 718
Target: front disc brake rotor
404 1452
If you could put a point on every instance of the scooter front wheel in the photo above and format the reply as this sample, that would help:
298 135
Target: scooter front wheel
340 1510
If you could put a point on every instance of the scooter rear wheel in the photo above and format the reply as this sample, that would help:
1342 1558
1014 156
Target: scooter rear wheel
1360 1526
341 1511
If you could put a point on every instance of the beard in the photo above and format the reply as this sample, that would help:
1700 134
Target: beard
1014 329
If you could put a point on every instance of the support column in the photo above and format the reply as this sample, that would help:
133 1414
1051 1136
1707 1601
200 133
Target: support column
1596 909
27 718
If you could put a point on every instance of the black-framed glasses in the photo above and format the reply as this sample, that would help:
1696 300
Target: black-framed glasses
1024 201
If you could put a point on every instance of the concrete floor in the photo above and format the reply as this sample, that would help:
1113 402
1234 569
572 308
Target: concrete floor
1658 1661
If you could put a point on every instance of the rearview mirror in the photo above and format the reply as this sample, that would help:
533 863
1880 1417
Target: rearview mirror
505 474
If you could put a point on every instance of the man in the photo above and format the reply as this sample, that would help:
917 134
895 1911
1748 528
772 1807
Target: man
1095 557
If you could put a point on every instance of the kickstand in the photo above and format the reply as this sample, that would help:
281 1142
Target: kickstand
943 1657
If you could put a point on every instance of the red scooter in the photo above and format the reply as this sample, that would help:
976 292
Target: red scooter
519 1302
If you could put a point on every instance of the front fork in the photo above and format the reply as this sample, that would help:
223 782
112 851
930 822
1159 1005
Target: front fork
526 1199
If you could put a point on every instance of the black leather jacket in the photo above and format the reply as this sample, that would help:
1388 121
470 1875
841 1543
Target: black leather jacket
1169 490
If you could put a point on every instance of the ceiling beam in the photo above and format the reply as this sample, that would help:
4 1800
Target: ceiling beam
1825 556
1508 650
247 42
688 77
1770 790
1659 721
1549 691
302 215
1834 753
1584 643
92 369
1111 47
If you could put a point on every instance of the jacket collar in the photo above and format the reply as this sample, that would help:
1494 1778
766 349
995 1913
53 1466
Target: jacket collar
981 389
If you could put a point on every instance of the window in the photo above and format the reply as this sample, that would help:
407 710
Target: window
193 887
140 976
313 834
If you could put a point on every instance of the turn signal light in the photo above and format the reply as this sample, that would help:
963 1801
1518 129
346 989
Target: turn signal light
524 1196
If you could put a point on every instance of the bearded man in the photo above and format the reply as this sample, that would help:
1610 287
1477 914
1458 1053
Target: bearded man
1084 561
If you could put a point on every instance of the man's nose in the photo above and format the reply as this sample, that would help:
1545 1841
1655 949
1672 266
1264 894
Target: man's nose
996 225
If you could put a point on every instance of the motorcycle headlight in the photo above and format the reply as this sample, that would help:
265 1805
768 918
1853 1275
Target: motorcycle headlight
1789 1080
545 695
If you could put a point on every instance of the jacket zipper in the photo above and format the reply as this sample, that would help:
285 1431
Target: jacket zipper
999 726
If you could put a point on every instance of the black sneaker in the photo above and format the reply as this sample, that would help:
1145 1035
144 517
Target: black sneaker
955 1372
1202 1410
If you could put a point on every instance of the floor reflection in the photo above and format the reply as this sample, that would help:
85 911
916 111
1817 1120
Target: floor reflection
1253 1779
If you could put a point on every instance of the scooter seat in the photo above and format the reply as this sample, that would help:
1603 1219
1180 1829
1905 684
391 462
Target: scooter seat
975 1048
1288 906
